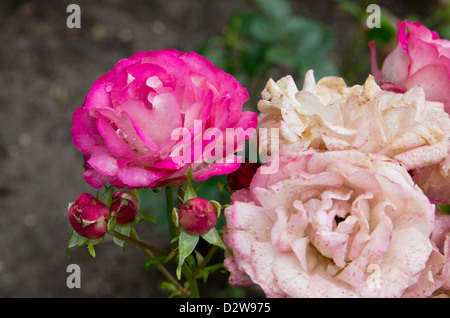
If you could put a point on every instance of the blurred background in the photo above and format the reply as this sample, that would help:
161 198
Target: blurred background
46 70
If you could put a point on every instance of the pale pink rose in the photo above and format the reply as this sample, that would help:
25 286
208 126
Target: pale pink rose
435 180
329 115
330 224
436 277
155 115
420 58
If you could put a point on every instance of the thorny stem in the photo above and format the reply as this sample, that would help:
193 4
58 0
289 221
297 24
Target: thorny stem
163 270
188 273
148 249
170 205
136 242
180 195
193 287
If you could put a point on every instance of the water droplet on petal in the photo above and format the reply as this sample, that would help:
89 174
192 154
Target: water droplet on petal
121 134
108 88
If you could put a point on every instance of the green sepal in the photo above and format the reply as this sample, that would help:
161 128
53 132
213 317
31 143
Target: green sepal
111 223
217 207
175 217
76 240
213 237
186 245
189 192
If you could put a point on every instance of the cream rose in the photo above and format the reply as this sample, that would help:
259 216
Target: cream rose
330 224
328 115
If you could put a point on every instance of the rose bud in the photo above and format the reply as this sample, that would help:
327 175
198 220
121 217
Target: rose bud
89 217
125 206
242 177
197 216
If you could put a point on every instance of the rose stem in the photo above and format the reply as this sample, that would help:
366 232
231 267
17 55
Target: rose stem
161 267
170 205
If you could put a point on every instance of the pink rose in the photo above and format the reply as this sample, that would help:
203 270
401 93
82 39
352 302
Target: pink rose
330 224
157 113
420 58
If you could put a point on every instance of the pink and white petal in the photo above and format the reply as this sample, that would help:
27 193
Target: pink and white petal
396 65
296 283
85 135
158 122
255 259
435 80
116 145
248 217
237 278
243 195
98 98
433 277
103 161
136 177
421 53
214 169
94 178
404 262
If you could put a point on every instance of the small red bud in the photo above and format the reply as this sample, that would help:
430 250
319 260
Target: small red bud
89 217
125 206
197 216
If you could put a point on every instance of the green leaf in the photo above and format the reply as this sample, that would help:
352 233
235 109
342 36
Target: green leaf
148 217
263 30
222 184
275 9
281 55
213 268
171 288
199 257
202 273
186 245
162 259
352 8
123 229
213 237
443 207
190 261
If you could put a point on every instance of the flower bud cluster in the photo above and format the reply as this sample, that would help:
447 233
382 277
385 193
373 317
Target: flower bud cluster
89 216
